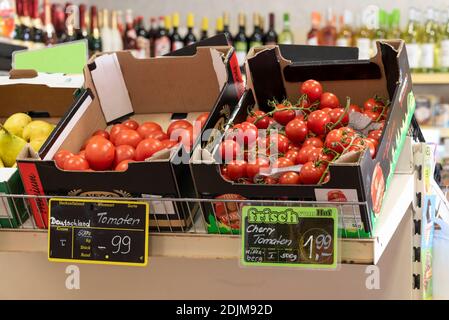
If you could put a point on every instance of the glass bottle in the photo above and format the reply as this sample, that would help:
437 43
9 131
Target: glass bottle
286 36
226 22
345 36
256 38
241 41
312 35
204 28
271 37
444 44
162 42
176 39
94 39
190 37
429 46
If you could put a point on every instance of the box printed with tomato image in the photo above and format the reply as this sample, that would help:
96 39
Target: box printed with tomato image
131 132
315 124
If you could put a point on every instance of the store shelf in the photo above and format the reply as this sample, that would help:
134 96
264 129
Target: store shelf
430 78
203 246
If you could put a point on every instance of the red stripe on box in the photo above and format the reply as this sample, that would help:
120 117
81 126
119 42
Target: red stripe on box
33 186
236 74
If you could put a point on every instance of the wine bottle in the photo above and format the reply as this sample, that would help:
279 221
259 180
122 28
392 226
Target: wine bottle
328 34
204 28
444 43
82 32
241 41
411 35
143 44
429 46
105 32
256 38
26 32
226 22
130 36
162 43
38 34
120 24
94 40
344 38
151 34
312 35
116 36
18 20
286 36
190 36
363 40
175 37
219 27
271 37
50 37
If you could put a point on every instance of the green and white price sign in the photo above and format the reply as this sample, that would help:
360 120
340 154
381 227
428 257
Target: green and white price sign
289 237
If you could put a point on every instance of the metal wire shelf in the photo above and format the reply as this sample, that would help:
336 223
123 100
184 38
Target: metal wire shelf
187 215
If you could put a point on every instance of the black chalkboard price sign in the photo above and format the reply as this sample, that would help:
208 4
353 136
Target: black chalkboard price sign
99 232
289 236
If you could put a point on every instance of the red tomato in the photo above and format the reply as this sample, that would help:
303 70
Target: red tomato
236 169
60 157
339 116
296 130
327 110
89 140
292 154
168 144
362 144
329 100
185 136
145 128
314 142
289 178
373 141
306 107
202 118
229 149
270 180
278 143
158 135
124 152
354 108
253 168
263 121
102 133
375 116
326 157
375 134
374 105
311 173
283 162
131 124
312 89
371 147
76 163
303 154
283 117
123 165
147 148
224 172
128 137
178 124
100 153
295 147
82 154
244 133
116 128
317 122
315 154
339 139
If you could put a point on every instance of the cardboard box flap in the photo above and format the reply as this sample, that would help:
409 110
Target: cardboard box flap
286 75
126 85
46 93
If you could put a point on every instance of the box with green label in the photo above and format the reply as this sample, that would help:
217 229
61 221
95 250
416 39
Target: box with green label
277 72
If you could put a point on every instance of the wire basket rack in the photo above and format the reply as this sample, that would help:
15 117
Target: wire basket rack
177 215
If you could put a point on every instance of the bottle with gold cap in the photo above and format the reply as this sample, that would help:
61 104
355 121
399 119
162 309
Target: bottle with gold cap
241 41
175 37
190 36
105 32
226 22
162 43
204 28
219 28
117 41
256 38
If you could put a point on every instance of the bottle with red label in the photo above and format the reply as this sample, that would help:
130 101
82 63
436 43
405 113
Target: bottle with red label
328 34
312 36
162 43
130 37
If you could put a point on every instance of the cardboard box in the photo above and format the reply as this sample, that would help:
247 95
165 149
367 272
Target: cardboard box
120 86
270 75
42 96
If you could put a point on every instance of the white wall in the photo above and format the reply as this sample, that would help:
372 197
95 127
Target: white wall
299 9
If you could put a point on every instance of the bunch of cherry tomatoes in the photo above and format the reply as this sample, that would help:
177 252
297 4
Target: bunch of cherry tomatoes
295 143
127 142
